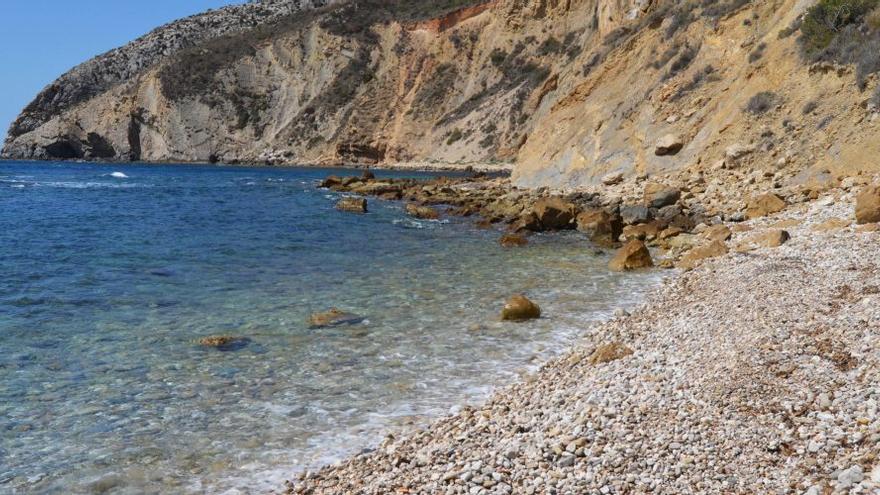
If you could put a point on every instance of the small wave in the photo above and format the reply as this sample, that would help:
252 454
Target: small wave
118 175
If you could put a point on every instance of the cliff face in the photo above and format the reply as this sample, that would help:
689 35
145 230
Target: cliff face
569 90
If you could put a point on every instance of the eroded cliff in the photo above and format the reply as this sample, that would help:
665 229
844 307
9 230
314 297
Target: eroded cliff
568 90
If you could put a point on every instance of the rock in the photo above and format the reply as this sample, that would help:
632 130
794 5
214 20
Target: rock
771 238
831 224
333 318
368 175
612 178
224 342
352 205
635 214
331 181
643 231
603 228
609 352
697 255
633 255
737 151
669 144
520 308
868 227
513 240
527 223
660 195
555 213
718 232
422 212
868 205
851 476
669 233
763 205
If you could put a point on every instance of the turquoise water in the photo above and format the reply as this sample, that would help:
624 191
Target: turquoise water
108 274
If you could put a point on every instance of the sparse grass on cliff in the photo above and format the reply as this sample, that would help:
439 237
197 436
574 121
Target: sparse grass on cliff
844 32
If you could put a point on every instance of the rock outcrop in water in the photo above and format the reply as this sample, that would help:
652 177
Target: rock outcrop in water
573 92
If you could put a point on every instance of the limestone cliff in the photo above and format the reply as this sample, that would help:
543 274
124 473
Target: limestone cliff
568 90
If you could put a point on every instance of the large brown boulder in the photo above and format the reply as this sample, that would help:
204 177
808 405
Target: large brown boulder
868 205
520 308
660 195
697 255
633 255
763 205
555 213
352 205
603 228
422 212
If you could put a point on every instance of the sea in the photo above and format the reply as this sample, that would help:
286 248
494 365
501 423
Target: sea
110 275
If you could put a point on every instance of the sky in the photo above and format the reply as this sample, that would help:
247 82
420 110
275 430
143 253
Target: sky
42 39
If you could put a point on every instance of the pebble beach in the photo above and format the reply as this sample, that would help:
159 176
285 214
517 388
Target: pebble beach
755 372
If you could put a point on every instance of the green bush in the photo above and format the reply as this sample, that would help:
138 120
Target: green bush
454 136
827 18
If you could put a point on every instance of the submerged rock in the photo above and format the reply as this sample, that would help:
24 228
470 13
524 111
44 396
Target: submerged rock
633 255
513 240
224 342
333 317
352 205
520 308
422 212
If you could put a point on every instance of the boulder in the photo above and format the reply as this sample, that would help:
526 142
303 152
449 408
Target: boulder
660 195
718 232
633 255
763 205
528 222
333 318
669 144
603 228
555 213
643 231
422 212
612 178
368 175
697 255
606 353
513 240
352 205
331 181
635 214
868 205
520 308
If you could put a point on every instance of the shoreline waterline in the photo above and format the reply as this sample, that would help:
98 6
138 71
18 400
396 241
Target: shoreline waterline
168 257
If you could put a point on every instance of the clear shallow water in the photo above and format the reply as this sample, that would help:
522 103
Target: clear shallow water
106 281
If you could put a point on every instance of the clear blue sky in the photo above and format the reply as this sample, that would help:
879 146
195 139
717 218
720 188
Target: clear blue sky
42 39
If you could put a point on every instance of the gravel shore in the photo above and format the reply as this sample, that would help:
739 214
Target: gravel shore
757 372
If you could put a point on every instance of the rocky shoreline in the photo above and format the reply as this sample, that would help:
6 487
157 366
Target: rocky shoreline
753 371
